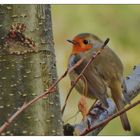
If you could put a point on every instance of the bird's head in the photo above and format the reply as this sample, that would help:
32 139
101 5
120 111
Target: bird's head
84 42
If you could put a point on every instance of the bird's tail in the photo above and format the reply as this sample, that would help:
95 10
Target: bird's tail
124 119
116 92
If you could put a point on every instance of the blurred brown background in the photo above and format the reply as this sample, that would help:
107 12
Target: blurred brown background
121 23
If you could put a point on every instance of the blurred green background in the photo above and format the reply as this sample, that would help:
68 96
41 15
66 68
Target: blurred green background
121 23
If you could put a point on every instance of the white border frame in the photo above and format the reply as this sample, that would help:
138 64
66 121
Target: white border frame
70 2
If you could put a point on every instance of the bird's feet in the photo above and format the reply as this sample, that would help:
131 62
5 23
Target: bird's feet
92 110
101 107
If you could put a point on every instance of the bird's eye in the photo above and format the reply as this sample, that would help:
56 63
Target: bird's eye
86 42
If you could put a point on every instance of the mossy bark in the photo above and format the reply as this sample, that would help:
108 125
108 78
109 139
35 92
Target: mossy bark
26 75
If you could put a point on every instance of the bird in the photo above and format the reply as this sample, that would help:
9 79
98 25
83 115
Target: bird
105 72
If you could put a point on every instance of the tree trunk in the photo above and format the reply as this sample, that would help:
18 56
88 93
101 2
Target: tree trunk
26 72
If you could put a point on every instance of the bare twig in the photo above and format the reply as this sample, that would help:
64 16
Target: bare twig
132 90
79 76
72 116
50 90
82 105
26 105
75 65
110 118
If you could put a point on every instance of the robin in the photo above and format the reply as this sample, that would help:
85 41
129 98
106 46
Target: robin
105 71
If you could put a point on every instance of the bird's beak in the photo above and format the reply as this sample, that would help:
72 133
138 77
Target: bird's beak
71 41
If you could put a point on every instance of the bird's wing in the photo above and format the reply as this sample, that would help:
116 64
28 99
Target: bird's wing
96 85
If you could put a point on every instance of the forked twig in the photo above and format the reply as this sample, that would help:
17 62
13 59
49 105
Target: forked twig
110 118
26 105
79 76
50 90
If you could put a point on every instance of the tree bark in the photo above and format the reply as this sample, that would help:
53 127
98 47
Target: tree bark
26 72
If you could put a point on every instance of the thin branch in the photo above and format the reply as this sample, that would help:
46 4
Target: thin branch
110 118
79 76
132 90
72 116
50 90
26 105
75 65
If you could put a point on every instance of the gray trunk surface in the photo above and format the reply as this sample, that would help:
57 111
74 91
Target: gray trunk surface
25 73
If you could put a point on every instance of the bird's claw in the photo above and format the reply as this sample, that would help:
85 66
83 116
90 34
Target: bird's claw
99 105
93 113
